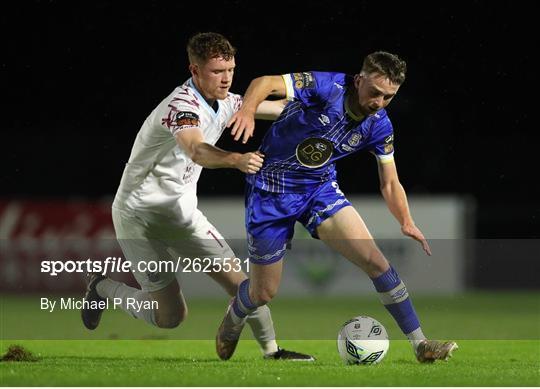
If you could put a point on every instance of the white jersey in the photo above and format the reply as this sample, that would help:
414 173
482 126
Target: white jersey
160 178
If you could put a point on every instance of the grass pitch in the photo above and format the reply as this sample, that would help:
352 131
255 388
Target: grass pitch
498 336
193 363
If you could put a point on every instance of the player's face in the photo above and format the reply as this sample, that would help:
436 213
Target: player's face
214 78
374 92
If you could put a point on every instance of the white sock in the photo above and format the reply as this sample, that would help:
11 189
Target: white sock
416 337
262 327
112 289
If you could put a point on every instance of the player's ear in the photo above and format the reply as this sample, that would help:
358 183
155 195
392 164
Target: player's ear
194 69
357 78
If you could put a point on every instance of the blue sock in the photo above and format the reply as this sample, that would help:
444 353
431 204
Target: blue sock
242 304
393 294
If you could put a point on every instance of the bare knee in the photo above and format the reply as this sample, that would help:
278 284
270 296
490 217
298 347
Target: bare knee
172 307
171 319
264 282
262 296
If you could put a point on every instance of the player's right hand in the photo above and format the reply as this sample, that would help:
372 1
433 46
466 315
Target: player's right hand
414 232
250 163
243 123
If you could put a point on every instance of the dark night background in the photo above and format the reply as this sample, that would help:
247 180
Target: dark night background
80 78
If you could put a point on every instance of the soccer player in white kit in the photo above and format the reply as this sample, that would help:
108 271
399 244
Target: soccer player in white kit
155 212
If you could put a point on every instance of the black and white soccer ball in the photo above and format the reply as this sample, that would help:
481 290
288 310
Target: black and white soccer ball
362 341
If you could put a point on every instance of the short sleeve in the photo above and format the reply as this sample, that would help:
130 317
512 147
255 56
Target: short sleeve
383 141
182 112
311 88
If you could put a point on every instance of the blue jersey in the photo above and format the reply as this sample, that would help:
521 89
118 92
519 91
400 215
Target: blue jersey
314 130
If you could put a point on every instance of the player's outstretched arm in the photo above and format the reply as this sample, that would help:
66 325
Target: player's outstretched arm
396 200
270 109
211 157
259 89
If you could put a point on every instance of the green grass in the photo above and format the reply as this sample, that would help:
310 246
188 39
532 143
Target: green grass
475 316
498 335
193 363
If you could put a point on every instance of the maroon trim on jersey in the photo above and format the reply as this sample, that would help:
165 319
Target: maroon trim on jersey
171 120
238 100
209 232
192 99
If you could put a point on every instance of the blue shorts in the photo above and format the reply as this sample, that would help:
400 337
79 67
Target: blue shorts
270 217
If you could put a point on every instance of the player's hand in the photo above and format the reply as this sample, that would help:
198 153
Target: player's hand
414 232
243 123
250 163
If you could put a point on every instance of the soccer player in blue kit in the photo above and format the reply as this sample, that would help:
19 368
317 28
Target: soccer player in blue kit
329 116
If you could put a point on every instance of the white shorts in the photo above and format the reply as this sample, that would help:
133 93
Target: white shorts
151 237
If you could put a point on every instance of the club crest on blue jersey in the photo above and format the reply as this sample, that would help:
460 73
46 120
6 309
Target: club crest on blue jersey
314 152
354 139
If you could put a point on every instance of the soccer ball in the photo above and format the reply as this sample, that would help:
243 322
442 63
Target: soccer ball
362 341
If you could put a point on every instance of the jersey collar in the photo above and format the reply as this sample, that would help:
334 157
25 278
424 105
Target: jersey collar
350 112
203 100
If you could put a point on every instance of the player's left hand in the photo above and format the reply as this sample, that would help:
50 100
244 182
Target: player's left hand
244 125
414 232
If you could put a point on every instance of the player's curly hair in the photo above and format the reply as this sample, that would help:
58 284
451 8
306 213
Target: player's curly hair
386 64
206 45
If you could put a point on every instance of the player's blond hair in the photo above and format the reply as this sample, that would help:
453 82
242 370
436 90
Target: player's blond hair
207 45
386 64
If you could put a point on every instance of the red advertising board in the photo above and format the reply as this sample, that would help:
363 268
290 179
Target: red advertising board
36 231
